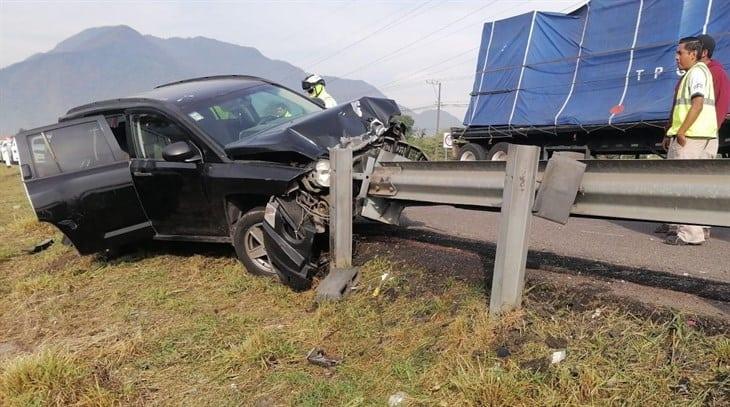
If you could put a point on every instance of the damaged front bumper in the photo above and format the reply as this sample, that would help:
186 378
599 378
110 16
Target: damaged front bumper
290 245
296 225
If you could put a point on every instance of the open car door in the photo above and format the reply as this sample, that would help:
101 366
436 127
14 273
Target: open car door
78 179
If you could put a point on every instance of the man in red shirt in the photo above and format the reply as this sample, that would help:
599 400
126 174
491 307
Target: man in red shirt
719 78
721 85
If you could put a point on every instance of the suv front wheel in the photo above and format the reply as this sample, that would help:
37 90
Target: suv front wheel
248 240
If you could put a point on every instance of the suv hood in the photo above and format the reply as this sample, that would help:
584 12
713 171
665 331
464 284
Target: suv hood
312 135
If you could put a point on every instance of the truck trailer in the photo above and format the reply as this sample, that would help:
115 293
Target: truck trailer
598 80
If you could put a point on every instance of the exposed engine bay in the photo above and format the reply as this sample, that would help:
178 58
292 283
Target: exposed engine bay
297 223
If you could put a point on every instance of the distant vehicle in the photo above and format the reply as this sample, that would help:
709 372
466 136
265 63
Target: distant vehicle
14 154
231 159
9 151
4 152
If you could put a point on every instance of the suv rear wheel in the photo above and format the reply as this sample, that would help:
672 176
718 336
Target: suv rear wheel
248 240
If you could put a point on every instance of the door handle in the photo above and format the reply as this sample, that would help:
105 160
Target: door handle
142 174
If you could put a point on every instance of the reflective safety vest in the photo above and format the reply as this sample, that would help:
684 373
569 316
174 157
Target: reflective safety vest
322 94
706 124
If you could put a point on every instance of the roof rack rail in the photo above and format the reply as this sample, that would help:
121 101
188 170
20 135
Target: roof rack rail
213 77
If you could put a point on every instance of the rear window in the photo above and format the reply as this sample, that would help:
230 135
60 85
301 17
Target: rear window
69 148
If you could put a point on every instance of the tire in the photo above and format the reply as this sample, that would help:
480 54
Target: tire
471 152
498 152
248 240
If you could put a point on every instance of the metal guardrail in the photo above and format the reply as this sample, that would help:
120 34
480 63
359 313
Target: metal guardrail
674 191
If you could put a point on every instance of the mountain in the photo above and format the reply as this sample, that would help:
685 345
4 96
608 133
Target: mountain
107 62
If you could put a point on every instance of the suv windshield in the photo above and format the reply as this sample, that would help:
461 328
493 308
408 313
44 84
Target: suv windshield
240 114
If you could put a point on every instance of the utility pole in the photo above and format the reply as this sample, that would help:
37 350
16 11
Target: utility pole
436 82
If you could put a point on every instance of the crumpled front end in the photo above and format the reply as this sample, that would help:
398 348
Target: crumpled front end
309 137
296 225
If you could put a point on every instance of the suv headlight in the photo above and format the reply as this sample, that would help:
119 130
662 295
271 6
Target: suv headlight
322 173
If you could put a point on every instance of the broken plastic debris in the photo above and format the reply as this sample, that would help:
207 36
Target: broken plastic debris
503 352
596 313
40 246
397 399
682 387
383 277
558 356
318 357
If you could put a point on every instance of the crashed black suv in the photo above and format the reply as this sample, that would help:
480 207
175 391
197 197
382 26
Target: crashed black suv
234 159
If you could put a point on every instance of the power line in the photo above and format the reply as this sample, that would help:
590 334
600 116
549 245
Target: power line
371 63
438 102
449 59
423 70
379 30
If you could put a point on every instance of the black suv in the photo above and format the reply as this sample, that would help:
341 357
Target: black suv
199 160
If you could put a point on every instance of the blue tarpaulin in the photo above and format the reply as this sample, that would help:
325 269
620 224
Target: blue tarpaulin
611 62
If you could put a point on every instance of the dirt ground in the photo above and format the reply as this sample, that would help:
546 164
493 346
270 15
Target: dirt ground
472 261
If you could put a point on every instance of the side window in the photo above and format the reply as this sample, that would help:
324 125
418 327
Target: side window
45 165
69 148
151 133
118 125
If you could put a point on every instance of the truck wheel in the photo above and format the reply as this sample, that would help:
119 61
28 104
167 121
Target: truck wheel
248 240
498 152
471 152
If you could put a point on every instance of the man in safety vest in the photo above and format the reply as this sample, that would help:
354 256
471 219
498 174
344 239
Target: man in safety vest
314 86
693 133
721 86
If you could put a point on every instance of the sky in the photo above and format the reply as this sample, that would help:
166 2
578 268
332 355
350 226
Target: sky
395 45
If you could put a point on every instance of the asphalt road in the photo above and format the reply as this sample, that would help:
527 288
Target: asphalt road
621 243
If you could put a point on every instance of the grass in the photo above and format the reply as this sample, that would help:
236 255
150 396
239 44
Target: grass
432 146
185 325
51 377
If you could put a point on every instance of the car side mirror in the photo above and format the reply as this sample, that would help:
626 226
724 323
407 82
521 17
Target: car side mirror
180 151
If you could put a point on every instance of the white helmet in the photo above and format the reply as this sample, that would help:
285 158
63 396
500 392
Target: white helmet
310 81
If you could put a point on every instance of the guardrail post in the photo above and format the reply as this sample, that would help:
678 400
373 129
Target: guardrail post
341 274
508 280
340 208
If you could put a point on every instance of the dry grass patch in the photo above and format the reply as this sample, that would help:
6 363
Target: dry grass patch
185 325
52 377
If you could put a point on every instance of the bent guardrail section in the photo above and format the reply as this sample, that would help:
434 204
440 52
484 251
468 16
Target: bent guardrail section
674 191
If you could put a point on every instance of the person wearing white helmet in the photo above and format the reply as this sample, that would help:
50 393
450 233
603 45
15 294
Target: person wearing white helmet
314 86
